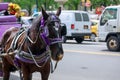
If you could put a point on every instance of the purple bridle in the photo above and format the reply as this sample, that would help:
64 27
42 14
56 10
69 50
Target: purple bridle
49 41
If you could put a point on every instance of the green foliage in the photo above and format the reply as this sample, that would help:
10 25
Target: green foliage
96 3
28 4
52 5
72 4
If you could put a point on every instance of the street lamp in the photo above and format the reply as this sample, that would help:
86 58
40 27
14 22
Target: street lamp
85 8
61 2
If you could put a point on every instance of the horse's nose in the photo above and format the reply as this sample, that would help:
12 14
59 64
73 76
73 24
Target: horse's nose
60 56
60 52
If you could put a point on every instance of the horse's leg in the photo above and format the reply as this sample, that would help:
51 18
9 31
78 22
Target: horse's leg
5 67
1 71
6 75
26 73
21 75
45 71
30 77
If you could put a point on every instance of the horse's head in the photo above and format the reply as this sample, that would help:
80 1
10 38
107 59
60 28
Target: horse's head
53 22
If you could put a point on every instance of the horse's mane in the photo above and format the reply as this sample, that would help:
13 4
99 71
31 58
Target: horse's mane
36 22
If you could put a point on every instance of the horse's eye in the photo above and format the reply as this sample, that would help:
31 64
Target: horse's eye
56 28
42 30
52 23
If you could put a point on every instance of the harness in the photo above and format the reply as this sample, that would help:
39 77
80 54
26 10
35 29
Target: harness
28 57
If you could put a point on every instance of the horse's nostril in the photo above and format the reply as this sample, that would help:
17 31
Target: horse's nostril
60 56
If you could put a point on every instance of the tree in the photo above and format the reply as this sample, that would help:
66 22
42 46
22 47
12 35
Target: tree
28 4
96 3
72 4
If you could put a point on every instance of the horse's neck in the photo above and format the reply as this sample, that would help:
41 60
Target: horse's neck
34 33
36 40
36 25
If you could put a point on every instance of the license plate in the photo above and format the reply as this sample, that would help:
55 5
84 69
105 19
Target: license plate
86 37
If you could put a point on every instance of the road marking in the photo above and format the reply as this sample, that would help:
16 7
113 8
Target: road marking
93 52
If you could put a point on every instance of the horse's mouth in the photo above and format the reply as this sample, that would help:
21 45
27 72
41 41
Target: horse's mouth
58 57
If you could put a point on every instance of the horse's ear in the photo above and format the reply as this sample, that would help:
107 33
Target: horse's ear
58 11
45 15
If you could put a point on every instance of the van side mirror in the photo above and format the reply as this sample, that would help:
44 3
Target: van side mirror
63 29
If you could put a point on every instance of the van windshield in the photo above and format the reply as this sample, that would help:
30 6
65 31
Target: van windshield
110 13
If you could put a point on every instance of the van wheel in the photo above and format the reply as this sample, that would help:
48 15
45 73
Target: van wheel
79 40
92 37
64 39
113 43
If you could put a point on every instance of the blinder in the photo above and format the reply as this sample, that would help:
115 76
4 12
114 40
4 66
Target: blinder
54 22
63 29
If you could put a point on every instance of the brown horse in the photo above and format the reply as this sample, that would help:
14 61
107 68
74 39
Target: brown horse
31 49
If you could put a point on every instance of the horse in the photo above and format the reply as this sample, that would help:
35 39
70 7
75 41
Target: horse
30 50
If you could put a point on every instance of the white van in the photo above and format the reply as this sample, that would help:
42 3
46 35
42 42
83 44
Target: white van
78 25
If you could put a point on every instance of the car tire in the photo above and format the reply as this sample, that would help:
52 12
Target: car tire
92 37
79 40
113 43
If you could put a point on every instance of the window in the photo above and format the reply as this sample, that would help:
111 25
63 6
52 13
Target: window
108 14
36 15
85 17
78 17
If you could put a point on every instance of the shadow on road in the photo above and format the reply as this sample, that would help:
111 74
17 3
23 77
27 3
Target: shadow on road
109 51
84 43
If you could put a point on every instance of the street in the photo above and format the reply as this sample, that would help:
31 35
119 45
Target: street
86 61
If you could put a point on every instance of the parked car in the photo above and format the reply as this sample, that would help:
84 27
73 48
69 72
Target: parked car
26 21
36 14
94 16
94 30
78 25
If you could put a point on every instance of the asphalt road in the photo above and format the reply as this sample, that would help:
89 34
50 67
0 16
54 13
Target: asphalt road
86 61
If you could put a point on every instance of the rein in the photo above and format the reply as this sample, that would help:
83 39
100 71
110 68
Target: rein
33 42
55 40
49 41
36 61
